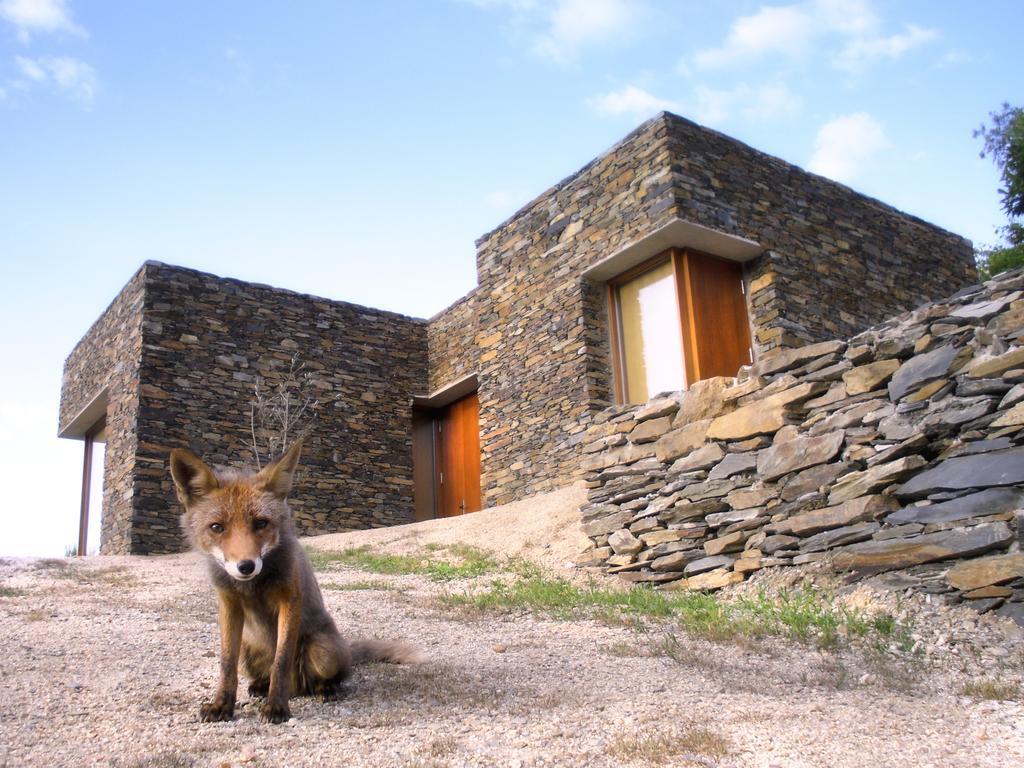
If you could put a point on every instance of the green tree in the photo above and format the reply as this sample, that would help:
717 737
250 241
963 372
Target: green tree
1003 141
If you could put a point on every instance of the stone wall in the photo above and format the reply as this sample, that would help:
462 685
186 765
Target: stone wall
453 348
900 451
535 331
107 358
539 363
205 341
835 262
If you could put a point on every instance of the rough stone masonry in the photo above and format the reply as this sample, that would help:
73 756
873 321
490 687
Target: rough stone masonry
900 451
174 358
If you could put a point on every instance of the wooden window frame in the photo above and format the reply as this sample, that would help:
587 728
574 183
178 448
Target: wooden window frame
687 322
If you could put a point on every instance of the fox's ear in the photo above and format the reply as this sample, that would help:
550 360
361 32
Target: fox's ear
192 478
276 478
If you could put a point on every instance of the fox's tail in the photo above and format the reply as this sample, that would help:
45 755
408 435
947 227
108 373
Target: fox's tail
391 651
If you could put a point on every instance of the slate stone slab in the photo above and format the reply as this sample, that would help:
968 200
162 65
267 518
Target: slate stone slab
681 441
708 582
650 430
730 542
983 309
705 564
735 516
874 556
873 478
993 501
849 534
607 524
772 544
981 446
676 561
865 378
647 577
998 365
702 458
790 358
986 571
656 409
861 510
813 478
984 470
623 542
801 452
922 368
733 464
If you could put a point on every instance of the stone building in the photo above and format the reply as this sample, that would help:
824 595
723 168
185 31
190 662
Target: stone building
678 254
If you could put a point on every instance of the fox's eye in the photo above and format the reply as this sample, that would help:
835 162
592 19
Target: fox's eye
216 527
259 523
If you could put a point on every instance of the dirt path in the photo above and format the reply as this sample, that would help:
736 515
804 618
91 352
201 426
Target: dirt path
105 662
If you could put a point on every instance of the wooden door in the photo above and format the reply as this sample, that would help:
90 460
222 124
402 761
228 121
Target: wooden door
716 332
458 454
424 471
446 459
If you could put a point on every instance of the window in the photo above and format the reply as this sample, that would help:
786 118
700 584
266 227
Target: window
650 334
676 319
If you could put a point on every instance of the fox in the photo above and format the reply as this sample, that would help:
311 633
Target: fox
270 610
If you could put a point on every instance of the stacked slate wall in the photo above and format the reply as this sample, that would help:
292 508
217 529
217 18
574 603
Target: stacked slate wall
535 331
900 451
206 339
107 359
835 262
452 343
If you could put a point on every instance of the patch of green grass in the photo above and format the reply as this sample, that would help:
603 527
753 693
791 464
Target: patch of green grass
993 690
457 561
805 615
801 615
12 592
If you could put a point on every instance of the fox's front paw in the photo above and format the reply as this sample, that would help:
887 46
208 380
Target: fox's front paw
217 710
275 712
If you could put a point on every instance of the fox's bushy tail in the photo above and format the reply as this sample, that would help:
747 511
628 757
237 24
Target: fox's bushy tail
391 651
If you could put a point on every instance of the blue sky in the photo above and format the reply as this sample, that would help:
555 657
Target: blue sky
356 150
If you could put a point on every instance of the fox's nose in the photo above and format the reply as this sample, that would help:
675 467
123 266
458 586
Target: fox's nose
246 567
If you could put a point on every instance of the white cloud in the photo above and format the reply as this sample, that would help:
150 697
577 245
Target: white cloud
792 31
783 30
848 17
758 104
846 144
39 16
954 58
862 52
75 79
559 30
631 100
574 24
30 69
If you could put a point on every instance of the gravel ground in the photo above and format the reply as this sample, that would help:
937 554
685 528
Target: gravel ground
105 662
